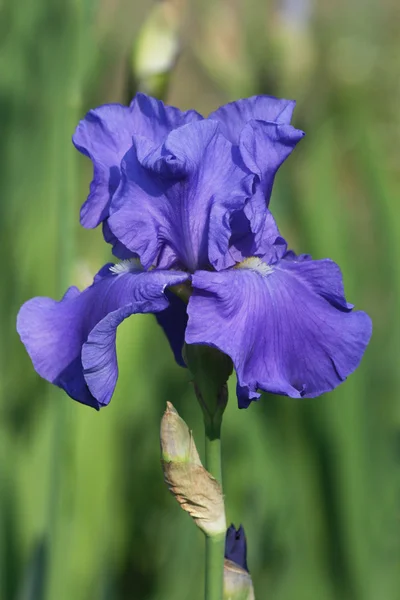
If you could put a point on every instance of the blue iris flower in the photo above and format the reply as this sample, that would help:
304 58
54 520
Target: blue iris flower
184 202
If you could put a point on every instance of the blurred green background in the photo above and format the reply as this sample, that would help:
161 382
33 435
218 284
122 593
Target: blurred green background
84 513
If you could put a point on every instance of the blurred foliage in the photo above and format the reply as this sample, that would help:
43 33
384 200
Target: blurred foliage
84 513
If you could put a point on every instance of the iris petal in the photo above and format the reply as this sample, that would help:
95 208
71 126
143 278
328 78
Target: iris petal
72 342
118 249
173 320
235 115
287 328
105 135
268 244
175 197
263 148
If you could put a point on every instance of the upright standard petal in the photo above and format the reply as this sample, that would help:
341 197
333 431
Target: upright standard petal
286 327
235 115
174 203
105 135
260 127
263 148
72 342
118 249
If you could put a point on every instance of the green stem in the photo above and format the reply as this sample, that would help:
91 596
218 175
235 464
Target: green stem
65 119
215 545
211 370
214 582
213 450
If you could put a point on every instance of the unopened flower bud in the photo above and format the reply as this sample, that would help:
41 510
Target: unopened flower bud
237 580
236 546
177 444
196 490
157 46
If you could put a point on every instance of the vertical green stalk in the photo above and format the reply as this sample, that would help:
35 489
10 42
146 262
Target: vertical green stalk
215 545
66 100
213 450
211 370
66 192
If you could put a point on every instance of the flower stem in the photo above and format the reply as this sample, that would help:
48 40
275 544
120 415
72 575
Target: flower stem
213 449
65 190
211 370
215 545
